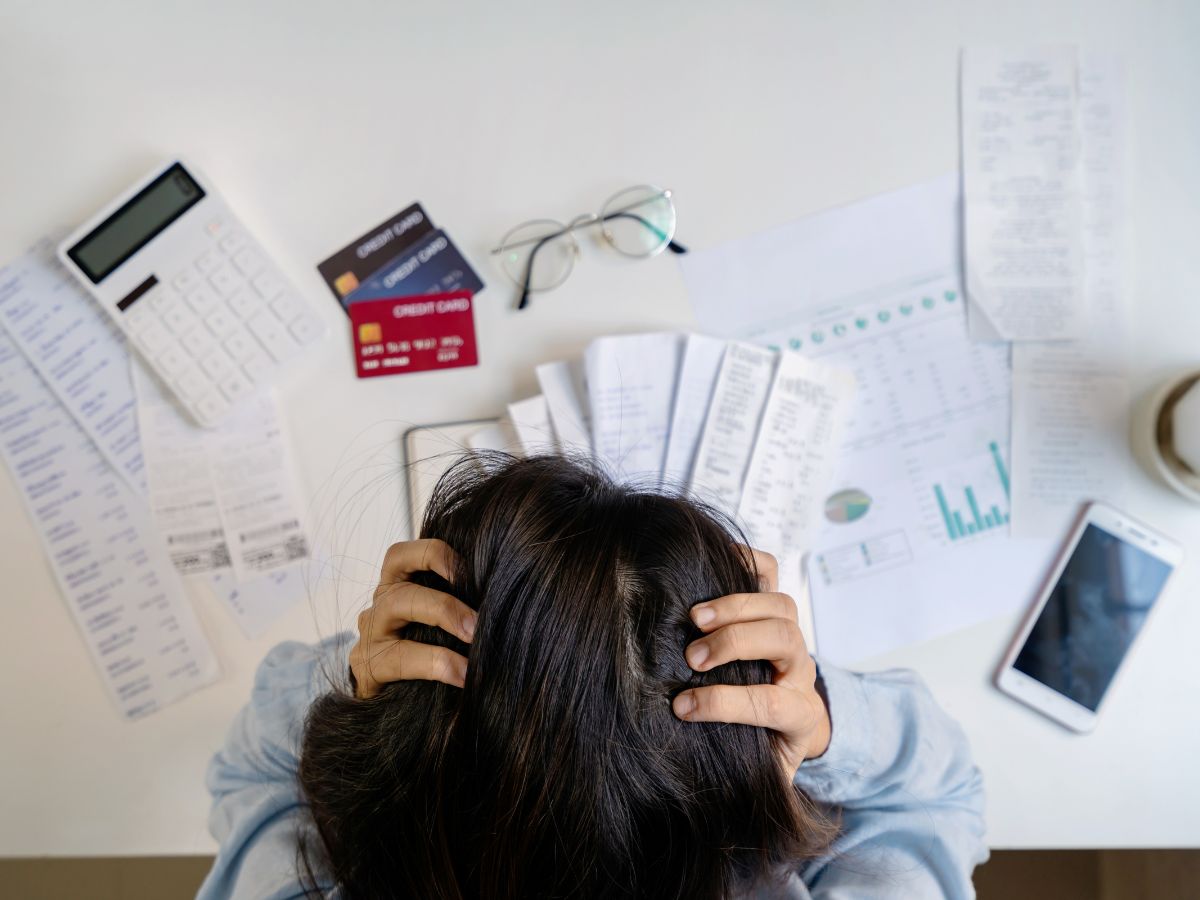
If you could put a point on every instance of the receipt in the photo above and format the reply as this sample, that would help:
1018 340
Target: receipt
563 386
1022 190
255 485
702 357
731 426
631 389
78 351
119 585
793 459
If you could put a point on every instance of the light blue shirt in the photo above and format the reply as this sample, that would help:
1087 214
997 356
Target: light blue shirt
897 767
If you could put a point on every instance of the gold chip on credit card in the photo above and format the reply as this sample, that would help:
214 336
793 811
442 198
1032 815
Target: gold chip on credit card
344 284
370 332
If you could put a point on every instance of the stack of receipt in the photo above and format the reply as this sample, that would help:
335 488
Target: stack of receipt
126 496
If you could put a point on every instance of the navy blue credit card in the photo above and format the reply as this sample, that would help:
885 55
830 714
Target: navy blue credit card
432 265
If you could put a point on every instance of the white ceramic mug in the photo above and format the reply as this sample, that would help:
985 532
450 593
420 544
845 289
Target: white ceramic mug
1166 436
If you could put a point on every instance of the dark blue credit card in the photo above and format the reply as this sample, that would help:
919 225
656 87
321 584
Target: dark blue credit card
432 265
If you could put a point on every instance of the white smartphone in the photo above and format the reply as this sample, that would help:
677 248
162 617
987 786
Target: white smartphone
1094 605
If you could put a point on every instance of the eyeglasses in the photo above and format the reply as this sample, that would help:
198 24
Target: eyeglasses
539 255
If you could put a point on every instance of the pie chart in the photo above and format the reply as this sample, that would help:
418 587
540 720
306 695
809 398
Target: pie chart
849 505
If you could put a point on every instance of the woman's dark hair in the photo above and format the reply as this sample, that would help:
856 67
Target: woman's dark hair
559 770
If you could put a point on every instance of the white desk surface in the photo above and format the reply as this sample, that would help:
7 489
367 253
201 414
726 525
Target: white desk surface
319 120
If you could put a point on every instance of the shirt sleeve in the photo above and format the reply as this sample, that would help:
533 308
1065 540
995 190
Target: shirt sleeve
258 815
911 800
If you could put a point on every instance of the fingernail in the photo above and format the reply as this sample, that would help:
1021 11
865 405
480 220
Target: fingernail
469 625
702 615
684 704
696 655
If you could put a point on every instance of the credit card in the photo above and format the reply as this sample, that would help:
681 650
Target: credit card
358 260
432 265
413 334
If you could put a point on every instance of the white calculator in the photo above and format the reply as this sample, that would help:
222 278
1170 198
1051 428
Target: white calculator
196 295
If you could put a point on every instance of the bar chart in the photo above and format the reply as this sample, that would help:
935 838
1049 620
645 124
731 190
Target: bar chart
964 519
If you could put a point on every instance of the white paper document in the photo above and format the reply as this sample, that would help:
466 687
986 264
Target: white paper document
530 420
1071 399
118 582
183 498
257 603
221 497
793 456
1022 186
565 390
912 537
78 351
731 427
631 391
698 371
256 489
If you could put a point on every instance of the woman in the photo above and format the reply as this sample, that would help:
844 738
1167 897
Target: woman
571 688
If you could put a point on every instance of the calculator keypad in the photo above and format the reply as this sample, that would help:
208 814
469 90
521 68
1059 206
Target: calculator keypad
221 326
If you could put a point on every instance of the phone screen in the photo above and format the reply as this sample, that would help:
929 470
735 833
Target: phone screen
1093 614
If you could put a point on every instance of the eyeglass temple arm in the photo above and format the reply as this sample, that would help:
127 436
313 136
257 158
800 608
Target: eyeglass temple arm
528 279
662 235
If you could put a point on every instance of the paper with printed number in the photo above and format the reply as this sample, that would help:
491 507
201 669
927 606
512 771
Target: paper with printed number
731 427
79 352
1022 189
794 454
1071 399
631 389
118 582
702 357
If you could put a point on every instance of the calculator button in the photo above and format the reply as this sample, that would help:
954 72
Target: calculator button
203 301
232 242
197 342
216 228
245 304
152 337
268 285
172 360
138 316
249 261
221 321
225 281
160 299
306 329
287 306
240 346
235 386
178 318
211 405
258 367
207 263
273 335
191 383
186 280
217 364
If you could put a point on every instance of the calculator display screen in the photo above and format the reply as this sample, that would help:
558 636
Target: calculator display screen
136 223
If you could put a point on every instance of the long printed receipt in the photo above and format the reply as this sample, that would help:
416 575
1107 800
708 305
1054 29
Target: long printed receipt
119 584
1022 189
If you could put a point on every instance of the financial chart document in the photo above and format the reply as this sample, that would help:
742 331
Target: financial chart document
912 539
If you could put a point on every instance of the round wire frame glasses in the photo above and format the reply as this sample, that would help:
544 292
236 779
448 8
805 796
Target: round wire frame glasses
539 255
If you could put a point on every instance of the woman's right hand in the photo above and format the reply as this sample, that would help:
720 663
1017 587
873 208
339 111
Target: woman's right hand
380 656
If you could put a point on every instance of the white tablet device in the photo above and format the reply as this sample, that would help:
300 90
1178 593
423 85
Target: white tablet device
208 310
1083 625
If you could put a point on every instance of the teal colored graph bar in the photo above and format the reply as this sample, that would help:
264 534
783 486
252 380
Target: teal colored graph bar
971 529
942 505
988 521
998 516
974 509
1000 470
962 529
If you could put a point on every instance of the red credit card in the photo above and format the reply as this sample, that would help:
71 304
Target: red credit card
413 334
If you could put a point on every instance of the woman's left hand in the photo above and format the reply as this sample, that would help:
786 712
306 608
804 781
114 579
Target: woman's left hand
760 626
